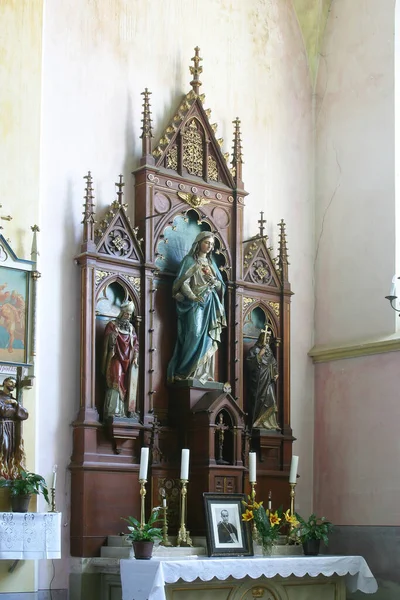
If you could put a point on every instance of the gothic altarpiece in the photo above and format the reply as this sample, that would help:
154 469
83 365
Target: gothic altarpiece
182 187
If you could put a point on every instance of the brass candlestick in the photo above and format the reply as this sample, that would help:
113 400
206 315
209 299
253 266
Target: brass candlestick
253 499
183 534
165 541
142 498
52 500
292 500
253 491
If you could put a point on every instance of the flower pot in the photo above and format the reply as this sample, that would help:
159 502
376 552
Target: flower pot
143 550
20 503
311 547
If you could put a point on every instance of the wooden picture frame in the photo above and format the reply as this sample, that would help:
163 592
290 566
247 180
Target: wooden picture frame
16 308
226 533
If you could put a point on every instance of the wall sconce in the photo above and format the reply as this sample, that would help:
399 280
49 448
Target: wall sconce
392 295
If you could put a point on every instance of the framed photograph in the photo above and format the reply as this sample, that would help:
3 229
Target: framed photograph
226 533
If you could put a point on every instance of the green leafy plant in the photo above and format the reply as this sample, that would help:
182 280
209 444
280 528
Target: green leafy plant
26 483
315 528
146 532
268 524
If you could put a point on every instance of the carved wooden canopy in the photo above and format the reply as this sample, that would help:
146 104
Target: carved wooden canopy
184 185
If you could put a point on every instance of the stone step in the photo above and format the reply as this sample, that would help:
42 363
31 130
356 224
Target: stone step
116 552
118 541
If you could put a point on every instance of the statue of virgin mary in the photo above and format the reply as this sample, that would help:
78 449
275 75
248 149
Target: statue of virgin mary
199 291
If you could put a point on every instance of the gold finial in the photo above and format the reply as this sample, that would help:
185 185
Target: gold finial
196 71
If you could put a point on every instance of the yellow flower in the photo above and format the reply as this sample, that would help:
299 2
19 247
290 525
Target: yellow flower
257 504
291 518
247 516
274 519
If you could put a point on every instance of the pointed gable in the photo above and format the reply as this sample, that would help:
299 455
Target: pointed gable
189 145
117 236
259 267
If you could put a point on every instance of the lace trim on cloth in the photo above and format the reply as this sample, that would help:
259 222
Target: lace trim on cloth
147 581
26 536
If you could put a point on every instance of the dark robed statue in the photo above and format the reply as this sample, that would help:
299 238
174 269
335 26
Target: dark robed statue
198 290
263 372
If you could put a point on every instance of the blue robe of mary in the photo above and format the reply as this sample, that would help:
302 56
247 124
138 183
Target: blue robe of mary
201 317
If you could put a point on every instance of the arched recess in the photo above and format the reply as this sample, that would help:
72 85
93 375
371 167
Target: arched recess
257 317
176 234
113 292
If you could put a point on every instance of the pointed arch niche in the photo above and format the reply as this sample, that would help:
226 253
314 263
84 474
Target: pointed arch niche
183 185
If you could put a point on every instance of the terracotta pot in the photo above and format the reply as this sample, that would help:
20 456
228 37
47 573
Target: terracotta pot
20 503
143 550
311 547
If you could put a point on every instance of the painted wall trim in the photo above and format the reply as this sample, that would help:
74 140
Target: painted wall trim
321 354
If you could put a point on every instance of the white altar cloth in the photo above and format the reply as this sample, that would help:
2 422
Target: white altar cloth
25 536
145 580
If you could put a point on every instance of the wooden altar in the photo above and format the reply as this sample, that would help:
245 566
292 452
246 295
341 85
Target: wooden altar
182 186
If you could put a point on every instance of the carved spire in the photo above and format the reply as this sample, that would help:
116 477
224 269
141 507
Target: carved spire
88 214
261 222
283 255
119 185
237 157
147 132
196 71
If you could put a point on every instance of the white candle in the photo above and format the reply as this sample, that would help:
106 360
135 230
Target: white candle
164 502
270 501
185 464
252 467
393 287
293 469
144 462
54 477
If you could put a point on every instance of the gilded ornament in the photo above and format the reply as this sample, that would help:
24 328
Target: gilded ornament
172 158
193 149
275 307
135 281
212 169
193 200
247 301
99 276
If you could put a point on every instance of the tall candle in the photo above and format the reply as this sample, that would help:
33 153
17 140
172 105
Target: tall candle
293 469
185 464
54 477
144 462
393 287
252 467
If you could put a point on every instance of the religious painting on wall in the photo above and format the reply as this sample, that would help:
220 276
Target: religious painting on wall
226 533
14 306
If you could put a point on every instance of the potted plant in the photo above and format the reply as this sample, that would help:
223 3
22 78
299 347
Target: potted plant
144 535
310 533
22 487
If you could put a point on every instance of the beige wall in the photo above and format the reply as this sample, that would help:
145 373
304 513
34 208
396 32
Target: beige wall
356 465
20 103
